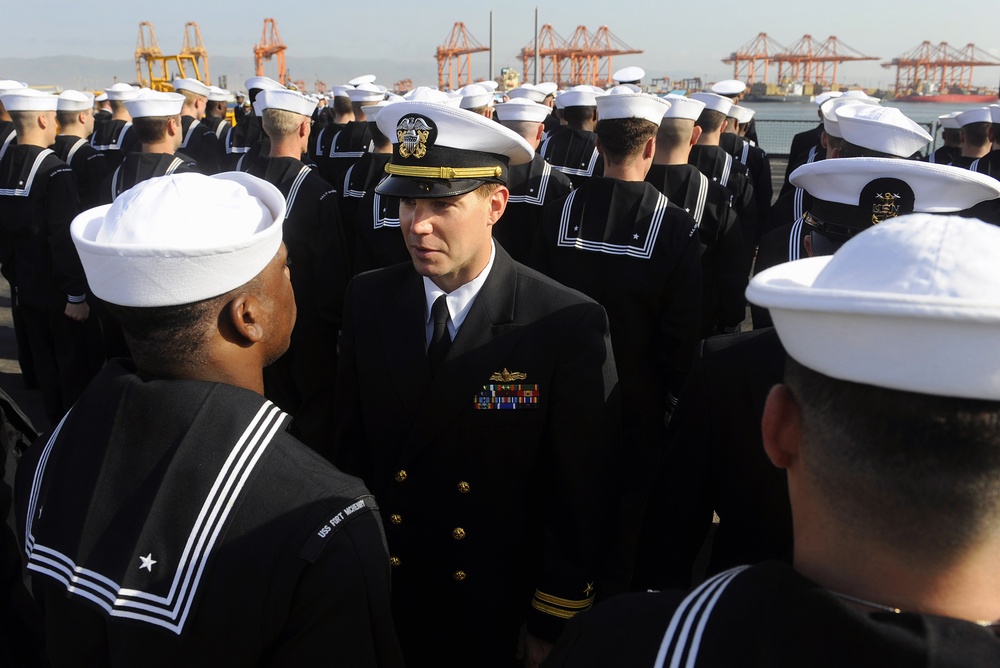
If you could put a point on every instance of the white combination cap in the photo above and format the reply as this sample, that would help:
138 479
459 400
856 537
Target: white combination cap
216 94
286 100
154 103
728 87
977 115
629 75
528 91
714 102
522 109
153 248
631 105
363 79
366 92
918 287
884 129
192 86
122 91
741 114
473 96
684 107
829 110
444 151
28 99
75 100
263 83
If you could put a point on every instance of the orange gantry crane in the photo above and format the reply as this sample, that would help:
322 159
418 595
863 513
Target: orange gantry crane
949 69
157 71
750 62
589 56
455 54
270 46
808 60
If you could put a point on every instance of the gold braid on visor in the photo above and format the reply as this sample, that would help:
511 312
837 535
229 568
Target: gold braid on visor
445 172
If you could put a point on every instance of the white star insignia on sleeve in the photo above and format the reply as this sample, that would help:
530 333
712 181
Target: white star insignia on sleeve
147 562
635 236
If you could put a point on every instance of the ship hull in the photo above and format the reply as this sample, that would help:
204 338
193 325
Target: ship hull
949 99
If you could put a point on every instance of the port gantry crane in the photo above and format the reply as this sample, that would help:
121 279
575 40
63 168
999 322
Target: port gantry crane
270 46
805 60
589 55
455 54
949 68
159 74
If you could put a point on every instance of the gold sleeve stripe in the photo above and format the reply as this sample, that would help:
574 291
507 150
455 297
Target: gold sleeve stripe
445 172
555 612
578 604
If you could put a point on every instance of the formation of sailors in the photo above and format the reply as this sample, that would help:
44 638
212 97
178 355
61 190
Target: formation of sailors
659 208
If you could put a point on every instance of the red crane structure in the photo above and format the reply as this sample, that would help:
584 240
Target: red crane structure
750 62
807 60
589 55
455 54
949 69
270 46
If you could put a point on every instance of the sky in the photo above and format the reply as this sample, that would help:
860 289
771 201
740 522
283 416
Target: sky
677 39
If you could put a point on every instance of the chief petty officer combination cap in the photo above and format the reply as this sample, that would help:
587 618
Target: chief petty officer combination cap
154 103
883 129
286 100
75 100
918 288
443 151
192 86
153 248
29 99
521 109
684 107
631 105
851 195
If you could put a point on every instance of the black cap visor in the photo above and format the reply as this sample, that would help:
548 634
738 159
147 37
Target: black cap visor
417 188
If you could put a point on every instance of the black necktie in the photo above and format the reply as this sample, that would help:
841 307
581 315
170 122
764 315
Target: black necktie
440 338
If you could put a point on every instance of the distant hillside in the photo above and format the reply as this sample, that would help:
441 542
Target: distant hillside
83 73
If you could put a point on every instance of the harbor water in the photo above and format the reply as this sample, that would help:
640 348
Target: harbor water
778 122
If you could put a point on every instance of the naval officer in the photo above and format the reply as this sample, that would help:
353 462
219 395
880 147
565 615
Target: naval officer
478 400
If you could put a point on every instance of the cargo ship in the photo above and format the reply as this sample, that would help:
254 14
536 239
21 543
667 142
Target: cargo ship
951 98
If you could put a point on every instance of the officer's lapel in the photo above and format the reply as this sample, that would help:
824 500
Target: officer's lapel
404 343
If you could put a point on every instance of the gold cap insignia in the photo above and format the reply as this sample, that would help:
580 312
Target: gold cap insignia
413 133
508 376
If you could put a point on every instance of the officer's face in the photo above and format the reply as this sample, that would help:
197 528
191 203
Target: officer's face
449 237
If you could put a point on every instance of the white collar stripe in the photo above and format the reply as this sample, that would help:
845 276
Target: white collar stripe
74 149
26 190
699 207
677 643
543 186
589 171
116 145
190 132
381 221
294 190
643 252
168 611
795 239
